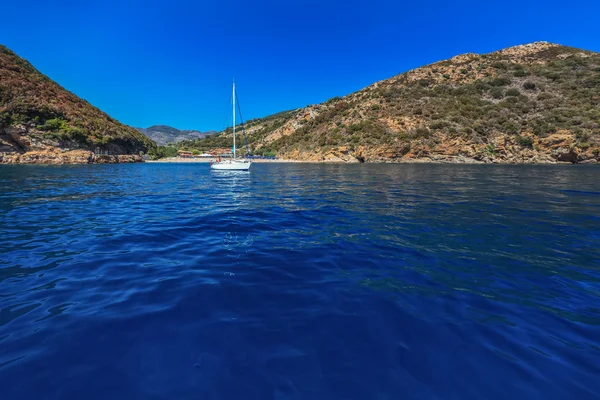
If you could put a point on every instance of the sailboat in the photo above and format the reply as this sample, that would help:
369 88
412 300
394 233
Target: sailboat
233 164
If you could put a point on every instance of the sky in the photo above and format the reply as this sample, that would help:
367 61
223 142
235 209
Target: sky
149 62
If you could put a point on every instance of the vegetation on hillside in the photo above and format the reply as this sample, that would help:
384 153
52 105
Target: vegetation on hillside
54 116
163 134
159 152
256 131
523 93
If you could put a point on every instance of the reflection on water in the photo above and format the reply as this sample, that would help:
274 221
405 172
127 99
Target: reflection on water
299 281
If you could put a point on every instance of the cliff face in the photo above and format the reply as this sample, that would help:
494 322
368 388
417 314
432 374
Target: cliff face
526 104
38 115
66 157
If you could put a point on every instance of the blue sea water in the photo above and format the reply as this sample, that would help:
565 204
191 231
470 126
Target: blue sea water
299 281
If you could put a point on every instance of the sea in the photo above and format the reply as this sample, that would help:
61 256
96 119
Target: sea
300 281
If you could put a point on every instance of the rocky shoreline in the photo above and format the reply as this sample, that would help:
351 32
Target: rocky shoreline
58 157
434 159
24 144
558 148
209 160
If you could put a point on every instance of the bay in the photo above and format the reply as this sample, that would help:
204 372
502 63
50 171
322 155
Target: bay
299 281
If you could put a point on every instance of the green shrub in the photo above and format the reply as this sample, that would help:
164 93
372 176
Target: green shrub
500 81
5 119
355 127
421 132
162 152
544 96
480 128
582 136
542 129
52 125
51 135
592 82
553 76
513 92
510 102
510 127
480 87
497 93
520 73
76 134
438 125
500 65
525 141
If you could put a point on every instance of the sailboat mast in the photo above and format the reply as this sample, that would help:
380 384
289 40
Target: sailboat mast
234 120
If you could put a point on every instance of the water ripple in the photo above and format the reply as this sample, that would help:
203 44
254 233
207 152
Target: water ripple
299 281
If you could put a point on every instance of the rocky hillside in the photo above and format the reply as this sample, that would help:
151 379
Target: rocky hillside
538 102
163 134
40 117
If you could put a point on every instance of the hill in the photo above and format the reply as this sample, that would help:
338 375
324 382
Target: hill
42 122
163 134
525 104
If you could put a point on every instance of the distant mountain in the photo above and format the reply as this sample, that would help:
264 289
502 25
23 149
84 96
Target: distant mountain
163 134
40 121
533 103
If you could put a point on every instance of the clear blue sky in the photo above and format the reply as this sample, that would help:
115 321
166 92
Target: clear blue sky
171 62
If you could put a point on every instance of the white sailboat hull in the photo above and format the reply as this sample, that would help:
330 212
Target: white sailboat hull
232 165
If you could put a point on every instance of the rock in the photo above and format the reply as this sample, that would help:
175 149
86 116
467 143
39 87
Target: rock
19 135
566 155
556 140
56 156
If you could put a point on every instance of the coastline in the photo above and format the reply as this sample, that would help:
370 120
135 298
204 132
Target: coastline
456 160
57 157
79 157
214 159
